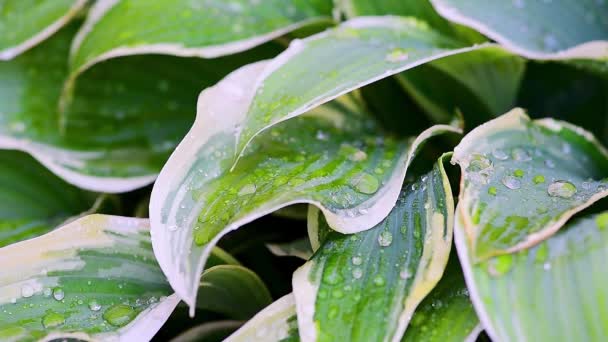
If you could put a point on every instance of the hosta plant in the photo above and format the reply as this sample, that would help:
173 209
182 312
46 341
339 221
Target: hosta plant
315 170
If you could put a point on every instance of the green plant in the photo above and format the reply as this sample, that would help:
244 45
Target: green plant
333 118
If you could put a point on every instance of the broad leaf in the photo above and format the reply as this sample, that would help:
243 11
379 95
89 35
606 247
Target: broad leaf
376 278
536 29
554 291
232 290
447 313
208 332
93 278
203 28
551 168
299 248
25 23
126 117
275 323
34 201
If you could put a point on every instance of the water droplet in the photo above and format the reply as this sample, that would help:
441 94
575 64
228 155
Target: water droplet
511 182
357 260
405 274
358 156
492 190
586 185
173 227
247 189
119 315
357 273
385 238
500 265
27 291
47 292
397 55
321 136
337 293
538 179
518 173
546 266
58 293
562 189
94 305
379 280
519 154
366 183
152 300
52 319
500 154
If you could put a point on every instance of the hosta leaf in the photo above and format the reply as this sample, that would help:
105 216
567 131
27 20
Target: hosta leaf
481 84
549 168
366 286
126 116
554 291
204 28
447 313
208 332
299 248
275 323
232 290
93 278
536 29
34 201
25 23
335 158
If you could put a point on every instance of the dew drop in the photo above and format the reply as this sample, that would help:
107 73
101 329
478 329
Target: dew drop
385 238
172 227
511 182
500 265
546 266
119 315
321 136
52 319
405 274
94 305
500 154
47 292
27 291
518 173
58 293
357 273
397 55
538 179
562 189
247 189
358 156
357 260
379 280
366 183
492 190
519 154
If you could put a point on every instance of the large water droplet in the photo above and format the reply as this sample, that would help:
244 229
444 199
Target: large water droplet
247 189
385 238
357 260
119 315
58 293
397 55
366 183
357 273
52 319
538 179
500 154
562 189
511 182
405 274
94 305
27 291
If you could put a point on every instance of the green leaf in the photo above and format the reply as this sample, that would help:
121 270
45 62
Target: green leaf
93 278
209 29
558 29
299 248
480 84
232 290
208 332
333 157
551 168
447 313
125 119
275 323
554 291
26 23
376 278
34 201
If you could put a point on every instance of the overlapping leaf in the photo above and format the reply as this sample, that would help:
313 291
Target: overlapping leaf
275 323
523 179
34 201
556 29
204 28
208 332
25 23
376 278
93 278
554 291
126 116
